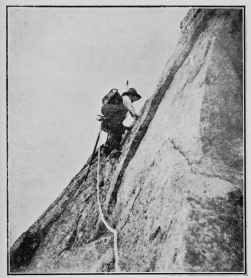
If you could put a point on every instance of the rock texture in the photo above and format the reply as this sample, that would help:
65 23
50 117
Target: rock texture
175 194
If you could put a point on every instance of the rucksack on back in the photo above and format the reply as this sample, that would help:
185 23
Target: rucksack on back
113 97
113 110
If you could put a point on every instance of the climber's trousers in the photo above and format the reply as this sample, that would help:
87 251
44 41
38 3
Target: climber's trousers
113 142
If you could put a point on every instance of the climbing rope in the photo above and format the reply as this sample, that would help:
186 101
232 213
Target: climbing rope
103 218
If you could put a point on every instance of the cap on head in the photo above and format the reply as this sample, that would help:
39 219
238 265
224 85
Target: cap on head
132 92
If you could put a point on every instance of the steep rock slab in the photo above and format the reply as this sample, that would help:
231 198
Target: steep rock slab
179 205
175 196
67 238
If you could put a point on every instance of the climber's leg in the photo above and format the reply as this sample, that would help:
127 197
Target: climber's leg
113 142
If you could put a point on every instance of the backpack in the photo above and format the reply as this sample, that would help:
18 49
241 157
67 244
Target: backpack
113 97
113 110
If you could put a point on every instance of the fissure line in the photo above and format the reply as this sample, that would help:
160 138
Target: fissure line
103 218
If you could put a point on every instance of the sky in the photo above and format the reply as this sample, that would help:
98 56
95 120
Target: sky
61 63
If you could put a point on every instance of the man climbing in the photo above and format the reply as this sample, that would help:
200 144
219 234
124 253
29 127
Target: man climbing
115 108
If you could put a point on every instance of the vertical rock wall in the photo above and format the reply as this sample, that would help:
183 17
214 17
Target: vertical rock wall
175 193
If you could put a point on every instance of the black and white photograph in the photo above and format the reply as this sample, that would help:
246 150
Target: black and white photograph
125 139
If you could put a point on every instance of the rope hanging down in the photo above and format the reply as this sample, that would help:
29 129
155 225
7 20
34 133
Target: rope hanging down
103 218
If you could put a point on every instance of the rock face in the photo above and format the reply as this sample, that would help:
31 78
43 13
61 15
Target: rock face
175 193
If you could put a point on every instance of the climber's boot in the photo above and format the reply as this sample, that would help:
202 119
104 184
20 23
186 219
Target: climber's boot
107 150
115 154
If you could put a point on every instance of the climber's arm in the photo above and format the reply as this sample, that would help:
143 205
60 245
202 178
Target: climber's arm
128 104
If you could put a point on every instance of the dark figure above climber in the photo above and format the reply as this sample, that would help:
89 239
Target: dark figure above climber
114 109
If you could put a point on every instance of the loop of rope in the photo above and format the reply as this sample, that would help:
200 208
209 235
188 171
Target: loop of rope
103 218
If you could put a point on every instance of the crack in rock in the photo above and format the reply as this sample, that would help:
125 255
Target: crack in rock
176 147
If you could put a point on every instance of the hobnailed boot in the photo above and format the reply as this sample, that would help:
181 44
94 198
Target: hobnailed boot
107 150
115 154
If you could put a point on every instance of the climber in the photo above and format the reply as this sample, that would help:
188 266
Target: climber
115 108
